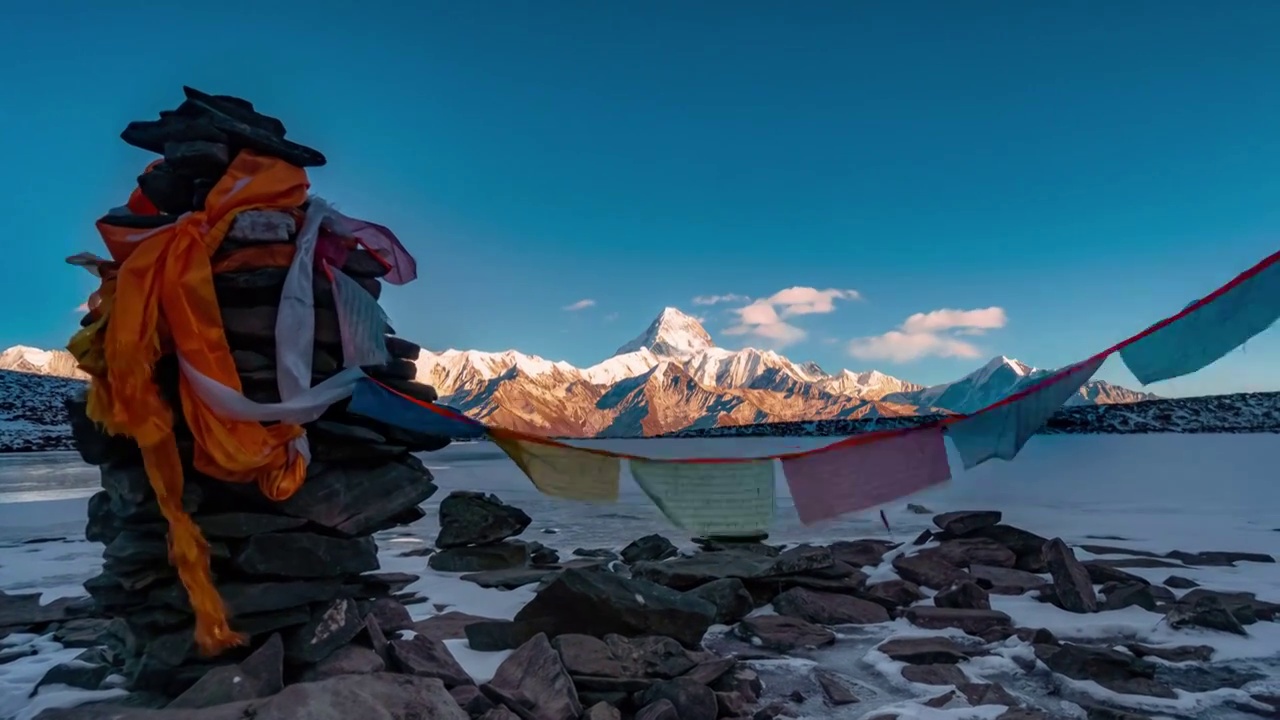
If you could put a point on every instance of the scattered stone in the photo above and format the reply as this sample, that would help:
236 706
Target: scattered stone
782 633
835 687
825 608
421 656
1218 558
448 626
1027 546
376 695
1103 572
1175 654
260 675
470 699
927 571
599 603
893 594
710 672
1118 597
498 556
602 711
687 573
87 672
963 595
1177 582
596 553
935 674
1072 586
730 704
472 518
804 559
510 578
988 694
534 671
691 700
660 710
1245 606
1113 670
650 548
1207 612
916 509
392 616
925 650
964 522
348 660
963 552
971 622
1005 581
861 553
730 598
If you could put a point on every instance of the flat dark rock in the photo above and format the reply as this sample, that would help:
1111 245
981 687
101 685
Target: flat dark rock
829 608
422 656
598 603
972 622
782 633
510 578
448 626
925 650
964 522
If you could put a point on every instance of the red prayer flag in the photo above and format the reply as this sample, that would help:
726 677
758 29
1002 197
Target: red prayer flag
858 476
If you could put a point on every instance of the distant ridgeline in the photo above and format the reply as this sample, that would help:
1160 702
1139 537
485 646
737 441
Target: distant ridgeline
1238 413
33 417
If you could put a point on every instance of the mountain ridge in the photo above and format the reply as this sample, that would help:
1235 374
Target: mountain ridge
671 378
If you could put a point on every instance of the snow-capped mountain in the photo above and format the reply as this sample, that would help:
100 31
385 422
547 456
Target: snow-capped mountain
1003 376
673 377
56 363
671 334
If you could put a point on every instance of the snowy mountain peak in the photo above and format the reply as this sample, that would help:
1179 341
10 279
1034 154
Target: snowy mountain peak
672 334
57 363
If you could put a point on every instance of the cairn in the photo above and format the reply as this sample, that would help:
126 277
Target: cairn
305 567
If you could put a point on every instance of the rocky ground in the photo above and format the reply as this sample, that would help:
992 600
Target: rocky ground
860 628
1237 413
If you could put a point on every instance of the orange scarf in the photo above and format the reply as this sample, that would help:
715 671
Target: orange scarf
162 300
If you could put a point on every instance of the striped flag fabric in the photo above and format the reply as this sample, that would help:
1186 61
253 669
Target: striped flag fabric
724 498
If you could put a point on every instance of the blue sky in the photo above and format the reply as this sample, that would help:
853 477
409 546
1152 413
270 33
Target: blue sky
1085 169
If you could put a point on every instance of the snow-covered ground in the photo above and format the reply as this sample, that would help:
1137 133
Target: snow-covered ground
1148 492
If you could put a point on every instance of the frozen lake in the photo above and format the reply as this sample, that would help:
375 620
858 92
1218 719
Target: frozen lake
1148 492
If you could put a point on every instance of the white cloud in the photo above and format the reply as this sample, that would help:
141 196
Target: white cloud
84 307
611 317
807 301
764 319
947 319
935 333
717 299
760 320
898 346
580 305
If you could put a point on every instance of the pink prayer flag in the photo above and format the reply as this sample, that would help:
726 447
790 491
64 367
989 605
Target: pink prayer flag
856 477
383 242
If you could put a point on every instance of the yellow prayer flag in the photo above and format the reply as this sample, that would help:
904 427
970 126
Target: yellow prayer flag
562 471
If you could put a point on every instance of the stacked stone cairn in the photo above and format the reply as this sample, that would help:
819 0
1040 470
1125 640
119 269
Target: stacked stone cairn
304 569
